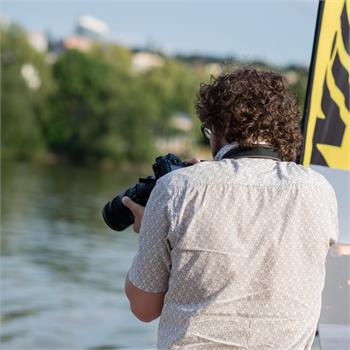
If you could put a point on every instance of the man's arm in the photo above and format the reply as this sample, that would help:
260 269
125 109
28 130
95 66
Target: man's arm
145 306
150 270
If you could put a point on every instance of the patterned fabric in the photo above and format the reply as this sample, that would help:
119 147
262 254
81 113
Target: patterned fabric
239 245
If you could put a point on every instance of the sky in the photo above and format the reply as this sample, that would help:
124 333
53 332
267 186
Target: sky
279 32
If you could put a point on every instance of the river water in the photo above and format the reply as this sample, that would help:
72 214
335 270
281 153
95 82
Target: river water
63 269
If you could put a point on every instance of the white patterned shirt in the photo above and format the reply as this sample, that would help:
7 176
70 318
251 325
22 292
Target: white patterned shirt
239 246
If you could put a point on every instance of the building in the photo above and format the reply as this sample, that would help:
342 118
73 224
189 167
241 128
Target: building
38 41
76 42
143 61
91 28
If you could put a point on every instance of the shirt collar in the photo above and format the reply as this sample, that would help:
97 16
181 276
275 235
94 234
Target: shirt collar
224 149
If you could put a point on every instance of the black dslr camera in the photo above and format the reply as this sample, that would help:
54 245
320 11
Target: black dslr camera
116 215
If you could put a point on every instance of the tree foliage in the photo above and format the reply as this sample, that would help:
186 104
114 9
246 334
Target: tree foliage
22 108
92 106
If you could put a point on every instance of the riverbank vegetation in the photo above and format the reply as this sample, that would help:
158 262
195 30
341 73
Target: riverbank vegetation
97 106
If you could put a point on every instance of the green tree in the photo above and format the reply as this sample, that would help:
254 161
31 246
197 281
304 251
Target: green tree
25 85
174 86
98 111
115 55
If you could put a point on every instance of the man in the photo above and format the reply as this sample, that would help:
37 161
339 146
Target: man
232 251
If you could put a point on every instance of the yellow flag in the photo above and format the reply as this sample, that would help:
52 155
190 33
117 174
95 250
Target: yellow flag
327 114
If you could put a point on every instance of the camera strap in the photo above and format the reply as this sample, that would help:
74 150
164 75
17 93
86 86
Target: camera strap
253 152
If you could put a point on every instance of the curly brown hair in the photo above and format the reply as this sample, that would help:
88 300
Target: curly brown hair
248 105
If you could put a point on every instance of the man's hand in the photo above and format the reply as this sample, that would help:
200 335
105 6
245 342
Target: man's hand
193 161
137 210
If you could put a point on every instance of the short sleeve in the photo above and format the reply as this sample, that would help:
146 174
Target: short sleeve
150 268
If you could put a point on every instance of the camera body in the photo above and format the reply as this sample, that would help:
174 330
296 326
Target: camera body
116 215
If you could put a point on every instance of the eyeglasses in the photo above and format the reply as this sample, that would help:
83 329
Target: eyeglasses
206 131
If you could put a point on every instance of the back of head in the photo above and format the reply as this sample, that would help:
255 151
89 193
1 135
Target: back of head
249 106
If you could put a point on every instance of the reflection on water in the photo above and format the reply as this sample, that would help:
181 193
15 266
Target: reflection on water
63 270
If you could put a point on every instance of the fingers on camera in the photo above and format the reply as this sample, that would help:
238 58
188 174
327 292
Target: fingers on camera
193 161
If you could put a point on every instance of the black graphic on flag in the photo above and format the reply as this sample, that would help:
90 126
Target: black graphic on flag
327 112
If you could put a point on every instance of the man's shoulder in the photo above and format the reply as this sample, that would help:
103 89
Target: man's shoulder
241 172
316 178
198 173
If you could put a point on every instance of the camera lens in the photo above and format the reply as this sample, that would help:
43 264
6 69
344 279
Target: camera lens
116 215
